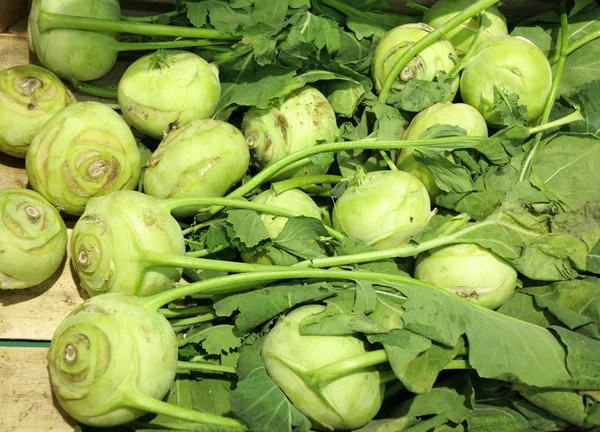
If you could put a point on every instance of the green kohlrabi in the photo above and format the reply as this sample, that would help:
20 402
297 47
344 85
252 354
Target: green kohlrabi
470 271
85 150
29 96
502 68
346 403
383 208
78 40
425 66
33 239
463 36
442 113
168 89
301 120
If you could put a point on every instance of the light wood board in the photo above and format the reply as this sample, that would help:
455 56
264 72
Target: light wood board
26 402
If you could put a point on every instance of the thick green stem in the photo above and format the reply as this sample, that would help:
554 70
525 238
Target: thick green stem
94 90
428 40
204 252
564 39
571 118
458 67
184 43
320 377
266 174
151 18
417 7
350 11
137 399
298 182
204 367
576 44
193 320
174 203
403 251
185 311
49 21
391 165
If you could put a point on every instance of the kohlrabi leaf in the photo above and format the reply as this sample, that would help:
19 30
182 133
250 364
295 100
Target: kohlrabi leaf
220 15
365 298
247 227
564 167
499 347
259 306
442 131
587 98
540 37
280 256
300 236
272 14
259 402
593 259
507 105
523 307
220 339
368 24
418 95
448 176
216 237
583 355
502 418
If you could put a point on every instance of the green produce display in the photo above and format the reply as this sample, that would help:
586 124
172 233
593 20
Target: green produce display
364 221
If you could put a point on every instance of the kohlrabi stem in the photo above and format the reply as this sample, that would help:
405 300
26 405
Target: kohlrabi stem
391 165
575 116
185 311
204 367
428 40
204 252
140 400
458 67
320 377
193 320
403 251
183 43
266 174
199 226
417 7
93 90
174 203
298 182
240 282
151 18
564 40
49 21
350 11
576 44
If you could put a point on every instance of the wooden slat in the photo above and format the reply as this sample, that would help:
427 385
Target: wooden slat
25 395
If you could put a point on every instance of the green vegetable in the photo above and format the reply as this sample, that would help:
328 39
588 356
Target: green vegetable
33 239
383 208
29 97
85 150
167 90
463 36
507 74
425 66
78 41
303 119
470 271
442 113
202 158
345 403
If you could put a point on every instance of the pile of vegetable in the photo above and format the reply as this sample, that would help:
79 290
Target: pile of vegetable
315 215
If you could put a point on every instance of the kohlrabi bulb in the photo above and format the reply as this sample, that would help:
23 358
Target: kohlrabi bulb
509 65
33 239
292 199
109 353
470 271
202 158
383 208
111 240
80 54
168 89
442 113
29 96
302 120
463 36
84 151
347 403
425 66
